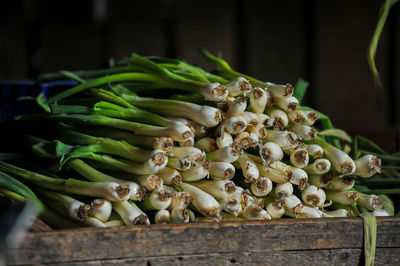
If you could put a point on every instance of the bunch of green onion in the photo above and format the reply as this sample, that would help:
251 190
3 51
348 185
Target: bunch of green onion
226 146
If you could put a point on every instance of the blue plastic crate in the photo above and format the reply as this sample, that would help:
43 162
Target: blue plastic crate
11 92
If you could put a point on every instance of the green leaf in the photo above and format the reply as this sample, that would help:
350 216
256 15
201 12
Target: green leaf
336 132
73 76
383 14
300 89
42 102
16 186
370 227
368 145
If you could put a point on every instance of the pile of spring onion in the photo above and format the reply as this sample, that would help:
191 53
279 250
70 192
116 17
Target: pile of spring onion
157 140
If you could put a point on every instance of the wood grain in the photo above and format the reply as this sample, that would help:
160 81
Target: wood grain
271 237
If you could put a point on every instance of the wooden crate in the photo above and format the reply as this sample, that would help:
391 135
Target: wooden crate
285 241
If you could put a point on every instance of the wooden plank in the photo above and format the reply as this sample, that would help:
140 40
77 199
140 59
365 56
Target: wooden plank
167 240
315 257
91 244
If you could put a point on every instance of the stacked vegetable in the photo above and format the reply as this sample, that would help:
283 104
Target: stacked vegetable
228 147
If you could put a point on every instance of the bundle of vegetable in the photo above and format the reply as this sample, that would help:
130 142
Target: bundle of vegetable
233 148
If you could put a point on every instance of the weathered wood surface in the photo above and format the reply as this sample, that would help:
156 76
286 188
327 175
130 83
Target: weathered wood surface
275 241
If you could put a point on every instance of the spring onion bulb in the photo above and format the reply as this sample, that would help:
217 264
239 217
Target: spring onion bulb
280 90
381 212
236 107
367 166
283 190
279 118
299 157
206 144
292 205
260 131
196 173
275 208
182 164
234 125
187 143
158 199
313 196
220 189
170 176
341 183
315 150
181 198
201 130
245 140
296 117
340 160
228 154
250 118
298 176
258 100
221 170
311 117
371 202
94 222
238 86
214 92
318 167
195 155
246 199
261 187
107 190
162 217
320 180
101 209
77 210
339 213
149 182
157 143
312 212
114 223
150 166
180 214
265 120
249 168
275 175
224 139
201 114
287 103
204 203
231 206
192 216
255 212
304 132
342 197
130 213
288 141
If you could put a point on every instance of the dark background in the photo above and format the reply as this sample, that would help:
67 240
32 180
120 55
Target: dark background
324 42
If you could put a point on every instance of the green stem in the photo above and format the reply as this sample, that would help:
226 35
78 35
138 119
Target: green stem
383 157
385 191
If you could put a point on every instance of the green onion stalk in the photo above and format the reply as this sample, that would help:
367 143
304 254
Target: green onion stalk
220 189
203 202
246 140
281 191
275 208
206 144
19 192
170 176
341 183
296 117
341 162
313 196
299 157
108 190
130 213
231 206
201 114
162 217
158 199
101 209
180 214
221 170
196 173
279 119
318 167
